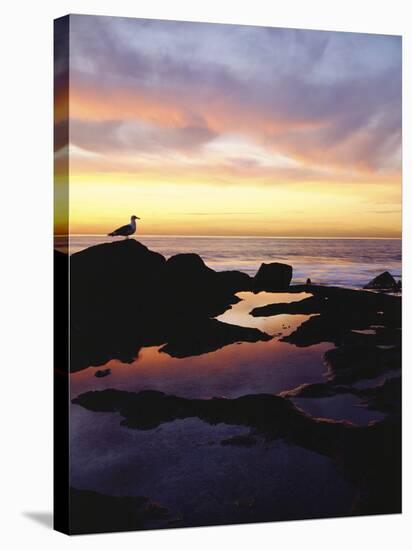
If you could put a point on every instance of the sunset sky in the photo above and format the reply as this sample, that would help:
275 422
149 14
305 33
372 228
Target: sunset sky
205 129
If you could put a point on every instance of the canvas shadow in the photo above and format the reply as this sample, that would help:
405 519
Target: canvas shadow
42 518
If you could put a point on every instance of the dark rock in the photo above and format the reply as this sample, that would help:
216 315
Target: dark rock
386 397
112 283
125 297
188 269
313 304
92 512
384 281
203 336
372 461
351 361
102 373
308 281
273 277
317 329
340 311
234 281
190 287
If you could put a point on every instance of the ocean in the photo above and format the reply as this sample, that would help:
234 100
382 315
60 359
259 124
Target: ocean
344 262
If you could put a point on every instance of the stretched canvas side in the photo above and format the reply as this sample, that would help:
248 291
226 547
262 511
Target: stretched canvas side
61 274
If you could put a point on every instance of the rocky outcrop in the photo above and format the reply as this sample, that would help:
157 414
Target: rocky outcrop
335 313
235 281
384 281
204 336
386 397
124 296
189 285
361 358
313 304
273 277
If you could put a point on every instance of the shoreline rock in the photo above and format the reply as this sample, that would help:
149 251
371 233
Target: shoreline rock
273 277
124 297
384 281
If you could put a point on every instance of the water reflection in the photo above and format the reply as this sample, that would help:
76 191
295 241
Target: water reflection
182 464
235 370
238 314
339 407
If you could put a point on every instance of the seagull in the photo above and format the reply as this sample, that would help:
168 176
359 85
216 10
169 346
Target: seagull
125 230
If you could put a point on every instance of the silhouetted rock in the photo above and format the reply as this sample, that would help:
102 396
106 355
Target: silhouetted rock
234 281
190 286
313 304
340 311
124 297
355 361
112 283
92 512
203 336
273 277
384 281
308 281
386 397
102 373
188 273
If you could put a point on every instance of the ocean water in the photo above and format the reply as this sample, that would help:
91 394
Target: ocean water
344 262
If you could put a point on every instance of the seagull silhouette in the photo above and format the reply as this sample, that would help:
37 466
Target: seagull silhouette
125 230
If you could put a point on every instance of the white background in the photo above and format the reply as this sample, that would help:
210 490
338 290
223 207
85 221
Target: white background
26 271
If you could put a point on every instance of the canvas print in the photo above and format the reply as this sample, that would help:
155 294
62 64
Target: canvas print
227 274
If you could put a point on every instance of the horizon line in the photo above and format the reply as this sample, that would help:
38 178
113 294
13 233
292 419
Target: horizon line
235 236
